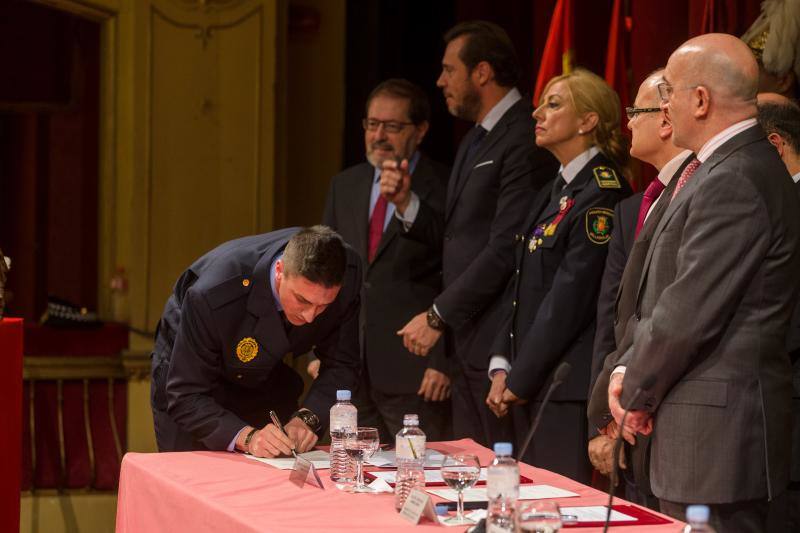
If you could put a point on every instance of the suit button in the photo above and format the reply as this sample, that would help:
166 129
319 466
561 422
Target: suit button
517 272
447 236
514 303
511 334
238 376
638 316
367 285
518 237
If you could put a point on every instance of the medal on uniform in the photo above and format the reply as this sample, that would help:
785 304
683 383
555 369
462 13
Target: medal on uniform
247 349
536 238
565 204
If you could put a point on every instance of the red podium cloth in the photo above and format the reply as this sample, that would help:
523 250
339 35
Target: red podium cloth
223 491
10 420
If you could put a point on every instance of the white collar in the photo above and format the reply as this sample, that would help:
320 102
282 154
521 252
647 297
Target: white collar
576 165
496 113
796 177
720 138
668 170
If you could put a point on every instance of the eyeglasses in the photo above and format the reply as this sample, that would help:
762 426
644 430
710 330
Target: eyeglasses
389 126
631 112
665 90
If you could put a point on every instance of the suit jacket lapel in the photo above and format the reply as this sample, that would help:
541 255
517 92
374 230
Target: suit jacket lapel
453 182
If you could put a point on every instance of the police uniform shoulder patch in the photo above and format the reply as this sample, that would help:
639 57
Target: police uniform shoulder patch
247 349
606 178
599 223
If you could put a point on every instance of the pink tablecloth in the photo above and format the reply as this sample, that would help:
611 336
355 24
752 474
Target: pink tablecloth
221 491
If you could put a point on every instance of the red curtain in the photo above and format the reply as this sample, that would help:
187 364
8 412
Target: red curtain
11 421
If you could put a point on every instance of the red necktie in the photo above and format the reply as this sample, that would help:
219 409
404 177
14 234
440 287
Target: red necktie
651 194
685 175
376 226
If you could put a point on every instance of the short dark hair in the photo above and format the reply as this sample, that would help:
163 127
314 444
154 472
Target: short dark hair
419 108
783 119
486 41
318 254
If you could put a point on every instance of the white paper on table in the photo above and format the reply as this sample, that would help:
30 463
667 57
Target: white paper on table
431 476
380 485
319 458
526 492
596 513
386 458
476 516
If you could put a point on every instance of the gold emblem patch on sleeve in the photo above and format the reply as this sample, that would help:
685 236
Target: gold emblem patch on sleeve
599 223
247 349
606 178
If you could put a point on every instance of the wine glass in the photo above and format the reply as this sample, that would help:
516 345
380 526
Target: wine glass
360 445
460 471
538 516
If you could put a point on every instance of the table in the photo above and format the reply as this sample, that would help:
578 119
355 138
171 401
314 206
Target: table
223 491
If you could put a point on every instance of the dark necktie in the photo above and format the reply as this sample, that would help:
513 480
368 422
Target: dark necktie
376 226
480 133
685 175
558 186
651 194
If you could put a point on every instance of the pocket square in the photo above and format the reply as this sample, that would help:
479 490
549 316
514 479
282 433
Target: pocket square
483 164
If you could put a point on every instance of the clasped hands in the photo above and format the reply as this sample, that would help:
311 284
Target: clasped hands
637 421
500 397
270 441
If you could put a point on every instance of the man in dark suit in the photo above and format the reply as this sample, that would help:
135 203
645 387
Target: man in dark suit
217 366
401 276
780 118
496 172
635 219
708 373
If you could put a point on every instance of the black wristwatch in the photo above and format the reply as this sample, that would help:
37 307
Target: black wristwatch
434 320
309 418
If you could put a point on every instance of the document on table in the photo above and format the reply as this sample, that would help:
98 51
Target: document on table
526 492
431 476
386 459
320 459
595 513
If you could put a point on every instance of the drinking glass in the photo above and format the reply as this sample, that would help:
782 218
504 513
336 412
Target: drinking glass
537 516
460 471
360 445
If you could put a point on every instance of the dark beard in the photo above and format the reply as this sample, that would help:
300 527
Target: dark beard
468 109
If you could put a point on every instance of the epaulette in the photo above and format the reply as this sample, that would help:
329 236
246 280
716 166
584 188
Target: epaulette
228 291
606 178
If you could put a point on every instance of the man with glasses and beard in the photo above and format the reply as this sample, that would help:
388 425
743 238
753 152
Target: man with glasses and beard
401 276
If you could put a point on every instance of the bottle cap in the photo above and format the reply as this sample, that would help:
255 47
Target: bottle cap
342 395
697 513
503 448
410 420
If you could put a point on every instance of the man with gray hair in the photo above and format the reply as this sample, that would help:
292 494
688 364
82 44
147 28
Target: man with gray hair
218 363
708 373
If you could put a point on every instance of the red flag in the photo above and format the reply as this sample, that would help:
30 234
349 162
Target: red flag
558 52
617 55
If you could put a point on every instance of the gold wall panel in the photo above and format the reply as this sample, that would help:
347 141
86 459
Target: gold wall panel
210 174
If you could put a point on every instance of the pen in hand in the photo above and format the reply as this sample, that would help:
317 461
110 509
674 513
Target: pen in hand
278 424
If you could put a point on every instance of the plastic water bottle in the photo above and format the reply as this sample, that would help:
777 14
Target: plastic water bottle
697 516
409 447
502 489
344 420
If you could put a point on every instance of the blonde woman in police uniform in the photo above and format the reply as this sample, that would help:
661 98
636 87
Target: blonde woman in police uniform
550 302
